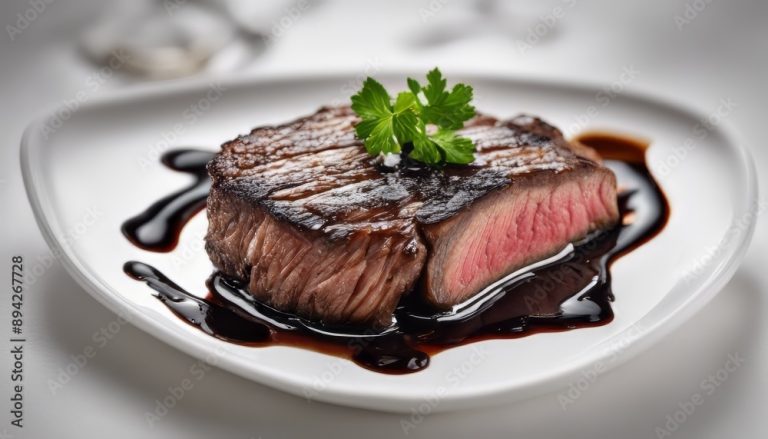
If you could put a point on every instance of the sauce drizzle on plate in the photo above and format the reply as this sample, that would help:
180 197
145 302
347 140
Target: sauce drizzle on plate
570 290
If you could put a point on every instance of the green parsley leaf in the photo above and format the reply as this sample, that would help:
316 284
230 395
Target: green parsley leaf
425 151
386 126
414 86
405 100
372 101
455 149
445 109
405 125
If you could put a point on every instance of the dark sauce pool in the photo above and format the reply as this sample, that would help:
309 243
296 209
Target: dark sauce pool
570 290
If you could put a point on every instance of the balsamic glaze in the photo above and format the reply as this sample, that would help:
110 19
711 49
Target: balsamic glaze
159 226
214 320
569 290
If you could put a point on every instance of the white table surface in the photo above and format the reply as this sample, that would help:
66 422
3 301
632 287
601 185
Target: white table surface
722 53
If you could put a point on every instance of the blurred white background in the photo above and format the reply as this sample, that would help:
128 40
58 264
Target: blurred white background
696 52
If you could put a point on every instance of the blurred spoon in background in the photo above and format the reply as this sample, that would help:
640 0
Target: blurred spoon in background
174 38
512 20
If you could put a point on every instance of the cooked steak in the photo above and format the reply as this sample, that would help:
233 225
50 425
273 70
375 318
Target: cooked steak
313 225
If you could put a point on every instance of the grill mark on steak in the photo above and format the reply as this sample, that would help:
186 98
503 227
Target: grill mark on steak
303 174
323 231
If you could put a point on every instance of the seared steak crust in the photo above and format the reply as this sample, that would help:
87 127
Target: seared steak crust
315 226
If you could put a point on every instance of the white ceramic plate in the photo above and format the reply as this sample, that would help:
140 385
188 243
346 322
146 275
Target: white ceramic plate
88 170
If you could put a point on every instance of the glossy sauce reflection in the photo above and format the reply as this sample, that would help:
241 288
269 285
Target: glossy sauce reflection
571 290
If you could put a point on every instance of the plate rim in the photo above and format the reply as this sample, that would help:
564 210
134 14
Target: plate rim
733 252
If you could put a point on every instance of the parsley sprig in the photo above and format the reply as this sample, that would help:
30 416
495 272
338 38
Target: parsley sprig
425 117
